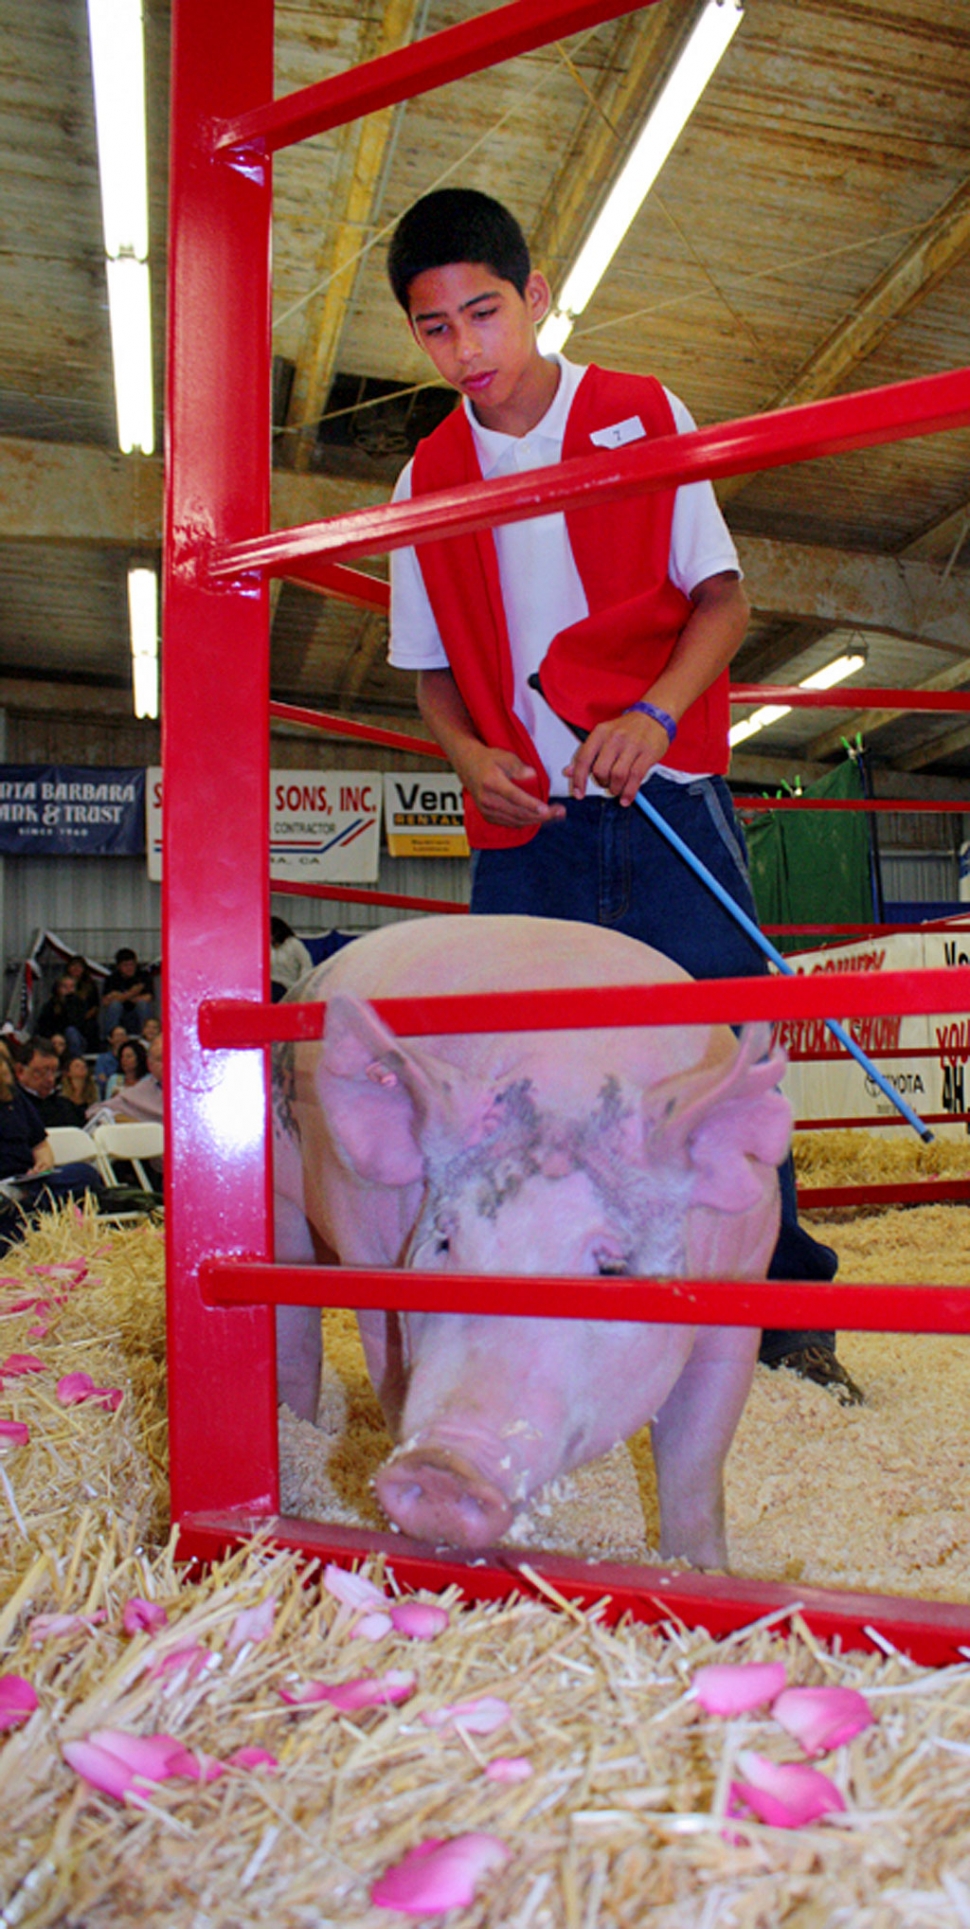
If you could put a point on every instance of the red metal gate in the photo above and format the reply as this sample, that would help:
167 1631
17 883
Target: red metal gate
219 558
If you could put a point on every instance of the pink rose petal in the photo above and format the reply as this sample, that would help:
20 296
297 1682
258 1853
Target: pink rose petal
252 1758
726 1689
17 1700
439 1874
366 1691
143 1617
53 1627
25 1305
252 1624
371 1627
419 1620
40 1331
17 1363
192 1657
354 1590
13 1433
73 1270
822 1718
508 1768
75 1388
785 1794
479 1717
112 1760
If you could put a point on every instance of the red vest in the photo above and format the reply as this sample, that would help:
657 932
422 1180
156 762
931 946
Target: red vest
596 668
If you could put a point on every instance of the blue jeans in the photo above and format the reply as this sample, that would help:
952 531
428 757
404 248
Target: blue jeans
606 864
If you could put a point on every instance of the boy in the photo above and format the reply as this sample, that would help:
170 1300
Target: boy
633 611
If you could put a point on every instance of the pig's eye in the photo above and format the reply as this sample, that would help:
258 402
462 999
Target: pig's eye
442 1243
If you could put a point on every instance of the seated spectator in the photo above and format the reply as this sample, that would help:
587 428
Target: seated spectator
77 1090
37 1068
64 1014
106 1064
87 993
141 1102
152 1028
289 958
132 1065
127 998
32 1180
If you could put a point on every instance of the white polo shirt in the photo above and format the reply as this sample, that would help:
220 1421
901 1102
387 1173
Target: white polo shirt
541 587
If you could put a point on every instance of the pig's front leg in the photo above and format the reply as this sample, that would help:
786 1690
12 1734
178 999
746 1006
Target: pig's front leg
691 1437
299 1341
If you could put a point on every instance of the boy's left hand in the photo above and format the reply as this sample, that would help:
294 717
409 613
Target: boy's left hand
619 754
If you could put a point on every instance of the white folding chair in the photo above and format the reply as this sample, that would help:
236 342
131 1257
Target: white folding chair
133 1141
70 1143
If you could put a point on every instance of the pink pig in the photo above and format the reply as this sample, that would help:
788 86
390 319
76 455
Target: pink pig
639 1151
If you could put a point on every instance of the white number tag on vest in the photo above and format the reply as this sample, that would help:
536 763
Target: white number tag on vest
618 433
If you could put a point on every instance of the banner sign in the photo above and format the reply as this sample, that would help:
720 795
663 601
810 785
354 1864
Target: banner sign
69 810
829 1085
324 825
423 814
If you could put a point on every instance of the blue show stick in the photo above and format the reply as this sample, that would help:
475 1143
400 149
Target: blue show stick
757 936
764 944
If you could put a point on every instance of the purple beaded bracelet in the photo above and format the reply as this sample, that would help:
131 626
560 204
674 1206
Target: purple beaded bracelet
663 717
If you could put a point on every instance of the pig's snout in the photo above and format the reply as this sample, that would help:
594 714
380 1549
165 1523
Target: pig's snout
436 1495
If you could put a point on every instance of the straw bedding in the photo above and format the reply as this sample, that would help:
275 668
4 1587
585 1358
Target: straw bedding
622 1820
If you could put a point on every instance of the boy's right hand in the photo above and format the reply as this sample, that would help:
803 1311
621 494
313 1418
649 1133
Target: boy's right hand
494 779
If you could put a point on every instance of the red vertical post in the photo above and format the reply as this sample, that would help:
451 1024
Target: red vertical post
215 747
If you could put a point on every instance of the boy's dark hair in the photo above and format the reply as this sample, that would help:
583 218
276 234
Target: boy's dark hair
456 224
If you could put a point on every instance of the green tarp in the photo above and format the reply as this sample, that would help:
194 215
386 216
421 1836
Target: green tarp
813 866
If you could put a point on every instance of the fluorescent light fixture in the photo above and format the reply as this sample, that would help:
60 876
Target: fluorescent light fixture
824 679
143 617
709 41
129 309
118 68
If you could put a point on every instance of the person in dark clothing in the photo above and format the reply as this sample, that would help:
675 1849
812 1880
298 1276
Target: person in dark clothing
29 1179
128 997
65 1013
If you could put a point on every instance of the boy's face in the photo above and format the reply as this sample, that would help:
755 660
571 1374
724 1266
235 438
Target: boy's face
480 333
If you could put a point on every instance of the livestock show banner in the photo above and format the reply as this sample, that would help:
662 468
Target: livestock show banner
69 810
423 814
324 825
828 1084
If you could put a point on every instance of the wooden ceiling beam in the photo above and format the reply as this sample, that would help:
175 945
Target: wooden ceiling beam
350 219
856 588
55 493
925 261
58 492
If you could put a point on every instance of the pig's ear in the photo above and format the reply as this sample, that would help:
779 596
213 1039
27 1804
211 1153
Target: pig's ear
388 1103
728 1118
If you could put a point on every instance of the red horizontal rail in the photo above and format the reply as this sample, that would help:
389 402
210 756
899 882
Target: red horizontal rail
348 894
921 1192
683 1302
861 930
228 1022
849 696
332 726
351 586
409 71
866 1123
934 1633
841 423
949 807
